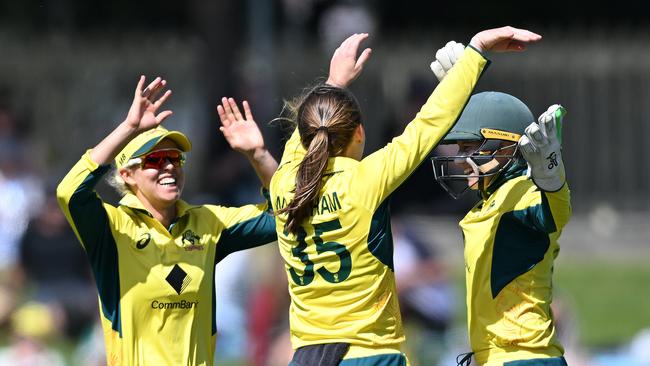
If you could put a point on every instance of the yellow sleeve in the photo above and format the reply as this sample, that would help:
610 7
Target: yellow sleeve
559 203
383 171
89 216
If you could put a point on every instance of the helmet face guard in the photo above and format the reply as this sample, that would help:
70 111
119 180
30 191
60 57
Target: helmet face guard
473 169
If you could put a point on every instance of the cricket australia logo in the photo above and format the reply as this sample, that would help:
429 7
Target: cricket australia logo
191 241
552 160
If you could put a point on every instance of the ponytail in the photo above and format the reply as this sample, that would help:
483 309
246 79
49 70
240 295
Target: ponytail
326 119
309 181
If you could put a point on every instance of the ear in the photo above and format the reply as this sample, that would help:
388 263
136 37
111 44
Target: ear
127 176
359 133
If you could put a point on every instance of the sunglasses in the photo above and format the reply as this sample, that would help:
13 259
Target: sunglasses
158 159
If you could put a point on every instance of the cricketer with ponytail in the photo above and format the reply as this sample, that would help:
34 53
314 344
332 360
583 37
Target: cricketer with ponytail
332 206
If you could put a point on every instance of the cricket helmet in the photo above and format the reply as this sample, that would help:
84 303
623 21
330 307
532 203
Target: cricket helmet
485 138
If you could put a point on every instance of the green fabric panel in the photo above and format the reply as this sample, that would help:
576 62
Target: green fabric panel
393 359
247 234
92 223
380 236
146 147
517 249
555 361
538 217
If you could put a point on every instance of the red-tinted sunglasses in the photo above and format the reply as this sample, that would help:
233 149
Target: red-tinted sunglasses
159 158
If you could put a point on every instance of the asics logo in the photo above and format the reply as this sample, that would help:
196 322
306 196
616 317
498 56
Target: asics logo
144 241
552 160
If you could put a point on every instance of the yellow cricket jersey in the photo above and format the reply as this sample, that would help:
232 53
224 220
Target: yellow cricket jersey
340 265
510 245
156 285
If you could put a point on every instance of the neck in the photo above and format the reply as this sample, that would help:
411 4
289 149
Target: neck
165 214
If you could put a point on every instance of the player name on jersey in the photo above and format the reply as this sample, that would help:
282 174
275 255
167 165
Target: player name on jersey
327 203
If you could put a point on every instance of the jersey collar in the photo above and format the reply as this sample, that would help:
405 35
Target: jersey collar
131 201
517 169
338 164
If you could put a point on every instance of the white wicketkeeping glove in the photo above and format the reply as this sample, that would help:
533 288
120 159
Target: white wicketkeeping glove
446 57
542 150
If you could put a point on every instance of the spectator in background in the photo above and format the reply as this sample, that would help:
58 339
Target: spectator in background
268 324
427 298
33 326
230 289
341 19
21 194
21 191
56 269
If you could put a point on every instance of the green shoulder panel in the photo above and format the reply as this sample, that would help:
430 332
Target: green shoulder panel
517 249
91 221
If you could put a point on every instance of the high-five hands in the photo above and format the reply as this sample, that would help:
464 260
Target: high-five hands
143 114
446 57
504 39
244 136
542 150
345 67
240 131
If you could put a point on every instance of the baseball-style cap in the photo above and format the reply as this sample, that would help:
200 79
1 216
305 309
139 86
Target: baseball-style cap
147 140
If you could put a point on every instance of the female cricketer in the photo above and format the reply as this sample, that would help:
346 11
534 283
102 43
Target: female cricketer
153 256
332 206
511 235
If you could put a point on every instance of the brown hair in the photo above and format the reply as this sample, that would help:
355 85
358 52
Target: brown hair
326 118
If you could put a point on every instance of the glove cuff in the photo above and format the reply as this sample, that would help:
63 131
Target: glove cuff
549 184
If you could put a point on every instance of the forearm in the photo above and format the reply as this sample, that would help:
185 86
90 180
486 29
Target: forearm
264 165
111 145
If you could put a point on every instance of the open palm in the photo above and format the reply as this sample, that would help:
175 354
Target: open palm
504 39
240 131
143 114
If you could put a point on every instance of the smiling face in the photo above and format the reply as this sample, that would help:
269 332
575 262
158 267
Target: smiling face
158 187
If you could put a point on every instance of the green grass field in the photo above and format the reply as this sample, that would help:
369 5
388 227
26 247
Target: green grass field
610 300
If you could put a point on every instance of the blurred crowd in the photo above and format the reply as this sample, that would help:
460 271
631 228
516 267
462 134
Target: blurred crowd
48 303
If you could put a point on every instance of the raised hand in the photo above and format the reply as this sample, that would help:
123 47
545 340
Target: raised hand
504 39
543 151
143 114
446 57
241 132
345 67
244 136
